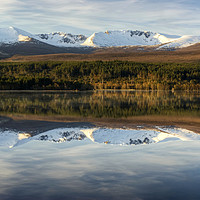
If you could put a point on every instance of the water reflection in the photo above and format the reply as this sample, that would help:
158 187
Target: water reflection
10 138
101 103
97 171
78 168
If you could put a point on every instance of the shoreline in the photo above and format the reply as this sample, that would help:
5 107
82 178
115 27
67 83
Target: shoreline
37 124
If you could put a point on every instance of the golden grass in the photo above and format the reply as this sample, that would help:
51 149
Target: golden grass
185 55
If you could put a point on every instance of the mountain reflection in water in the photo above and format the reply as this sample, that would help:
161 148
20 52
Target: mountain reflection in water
10 138
54 161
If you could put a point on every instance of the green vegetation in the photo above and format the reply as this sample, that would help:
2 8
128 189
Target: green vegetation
99 75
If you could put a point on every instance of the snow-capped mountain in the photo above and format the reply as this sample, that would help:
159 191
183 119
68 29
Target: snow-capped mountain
139 38
184 41
61 39
14 35
126 38
101 135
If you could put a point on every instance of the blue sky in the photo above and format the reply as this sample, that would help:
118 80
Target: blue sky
87 16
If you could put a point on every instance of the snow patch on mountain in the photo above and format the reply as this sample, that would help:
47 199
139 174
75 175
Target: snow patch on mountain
184 41
12 35
61 39
22 38
126 38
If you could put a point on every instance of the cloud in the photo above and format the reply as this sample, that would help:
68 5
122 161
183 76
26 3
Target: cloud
87 16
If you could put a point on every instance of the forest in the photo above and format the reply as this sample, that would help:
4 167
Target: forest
92 75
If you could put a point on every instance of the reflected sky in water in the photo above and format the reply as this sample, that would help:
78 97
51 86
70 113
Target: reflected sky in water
86 170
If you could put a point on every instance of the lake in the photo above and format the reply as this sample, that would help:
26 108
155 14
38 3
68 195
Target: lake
99 145
98 104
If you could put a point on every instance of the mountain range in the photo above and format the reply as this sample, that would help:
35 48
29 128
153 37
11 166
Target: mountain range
16 41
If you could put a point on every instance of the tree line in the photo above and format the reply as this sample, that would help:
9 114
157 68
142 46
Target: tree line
89 75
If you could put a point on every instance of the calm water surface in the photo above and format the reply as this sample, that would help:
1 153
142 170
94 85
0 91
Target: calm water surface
88 170
85 170
101 103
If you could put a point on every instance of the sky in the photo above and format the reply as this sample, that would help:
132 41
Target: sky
179 17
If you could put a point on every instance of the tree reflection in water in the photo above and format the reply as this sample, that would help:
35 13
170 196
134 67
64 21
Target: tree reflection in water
98 104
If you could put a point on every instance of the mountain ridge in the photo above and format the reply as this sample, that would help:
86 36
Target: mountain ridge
16 41
126 38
